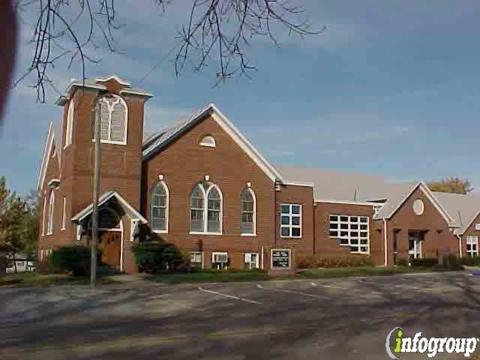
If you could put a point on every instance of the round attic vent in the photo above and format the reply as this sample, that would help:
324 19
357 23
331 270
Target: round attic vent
418 207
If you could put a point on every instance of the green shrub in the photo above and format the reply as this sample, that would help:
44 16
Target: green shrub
334 261
74 259
451 262
470 261
424 262
46 266
402 262
154 257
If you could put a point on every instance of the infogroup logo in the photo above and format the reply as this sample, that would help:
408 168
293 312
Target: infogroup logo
397 343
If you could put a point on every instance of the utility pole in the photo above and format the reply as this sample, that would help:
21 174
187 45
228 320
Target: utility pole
96 188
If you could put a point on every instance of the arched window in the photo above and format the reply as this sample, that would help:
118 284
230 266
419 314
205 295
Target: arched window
51 210
159 207
208 141
113 119
69 129
248 212
206 209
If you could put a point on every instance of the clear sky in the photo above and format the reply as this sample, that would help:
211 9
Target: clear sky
391 87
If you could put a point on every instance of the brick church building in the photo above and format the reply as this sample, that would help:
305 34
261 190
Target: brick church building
201 185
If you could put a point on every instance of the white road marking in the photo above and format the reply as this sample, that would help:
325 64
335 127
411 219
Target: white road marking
293 292
229 296
329 286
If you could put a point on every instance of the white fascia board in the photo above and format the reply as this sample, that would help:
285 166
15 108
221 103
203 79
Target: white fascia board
46 156
136 92
243 142
299 183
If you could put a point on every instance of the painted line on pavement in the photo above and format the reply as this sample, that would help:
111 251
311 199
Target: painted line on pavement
329 286
229 296
294 292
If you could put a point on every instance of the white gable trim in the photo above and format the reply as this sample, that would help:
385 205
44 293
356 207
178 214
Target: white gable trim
116 78
49 141
430 197
244 144
465 227
102 200
299 183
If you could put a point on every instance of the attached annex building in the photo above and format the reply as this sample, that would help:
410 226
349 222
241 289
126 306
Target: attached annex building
203 186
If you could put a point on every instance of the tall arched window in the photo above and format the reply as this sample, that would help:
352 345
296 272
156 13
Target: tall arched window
206 209
248 212
159 207
69 129
113 119
51 210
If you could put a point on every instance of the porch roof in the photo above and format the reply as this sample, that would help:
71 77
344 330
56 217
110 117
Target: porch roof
105 198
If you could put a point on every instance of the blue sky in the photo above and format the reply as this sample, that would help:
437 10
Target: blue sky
389 88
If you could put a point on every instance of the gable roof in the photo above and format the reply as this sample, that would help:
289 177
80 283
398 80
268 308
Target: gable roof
335 185
157 142
361 189
399 193
103 199
54 132
464 209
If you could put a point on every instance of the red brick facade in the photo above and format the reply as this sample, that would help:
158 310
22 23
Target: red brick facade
181 165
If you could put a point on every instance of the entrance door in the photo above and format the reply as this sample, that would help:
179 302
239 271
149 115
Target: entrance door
109 244
415 244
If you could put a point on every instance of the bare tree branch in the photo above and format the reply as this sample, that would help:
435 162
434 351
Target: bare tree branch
217 31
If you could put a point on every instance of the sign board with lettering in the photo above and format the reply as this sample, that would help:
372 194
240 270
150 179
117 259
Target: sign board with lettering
281 259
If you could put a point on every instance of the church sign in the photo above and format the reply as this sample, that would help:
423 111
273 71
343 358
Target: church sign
281 259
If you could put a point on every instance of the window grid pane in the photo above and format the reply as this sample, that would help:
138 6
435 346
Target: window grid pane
358 241
291 220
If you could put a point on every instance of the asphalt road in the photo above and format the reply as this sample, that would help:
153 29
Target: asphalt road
318 319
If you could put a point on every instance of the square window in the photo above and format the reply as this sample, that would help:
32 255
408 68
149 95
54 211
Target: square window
285 231
285 220
344 218
295 209
351 230
333 218
296 220
333 233
285 209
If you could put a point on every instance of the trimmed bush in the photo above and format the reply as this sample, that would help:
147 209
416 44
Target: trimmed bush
46 267
154 257
424 262
470 261
72 259
402 262
334 261
451 262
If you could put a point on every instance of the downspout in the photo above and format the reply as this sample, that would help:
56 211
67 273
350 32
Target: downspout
385 238
460 245
314 234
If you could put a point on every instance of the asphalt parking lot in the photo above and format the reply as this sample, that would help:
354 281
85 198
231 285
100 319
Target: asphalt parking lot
321 319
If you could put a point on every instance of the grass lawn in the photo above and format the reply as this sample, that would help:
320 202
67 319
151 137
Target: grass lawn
209 276
35 279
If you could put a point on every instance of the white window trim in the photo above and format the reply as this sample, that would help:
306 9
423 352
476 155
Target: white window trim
167 207
125 136
201 254
205 210
470 242
339 230
133 224
64 213
254 214
208 141
257 262
69 127
291 215
51 213
224 253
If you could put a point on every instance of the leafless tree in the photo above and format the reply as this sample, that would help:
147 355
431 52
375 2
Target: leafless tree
214 30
